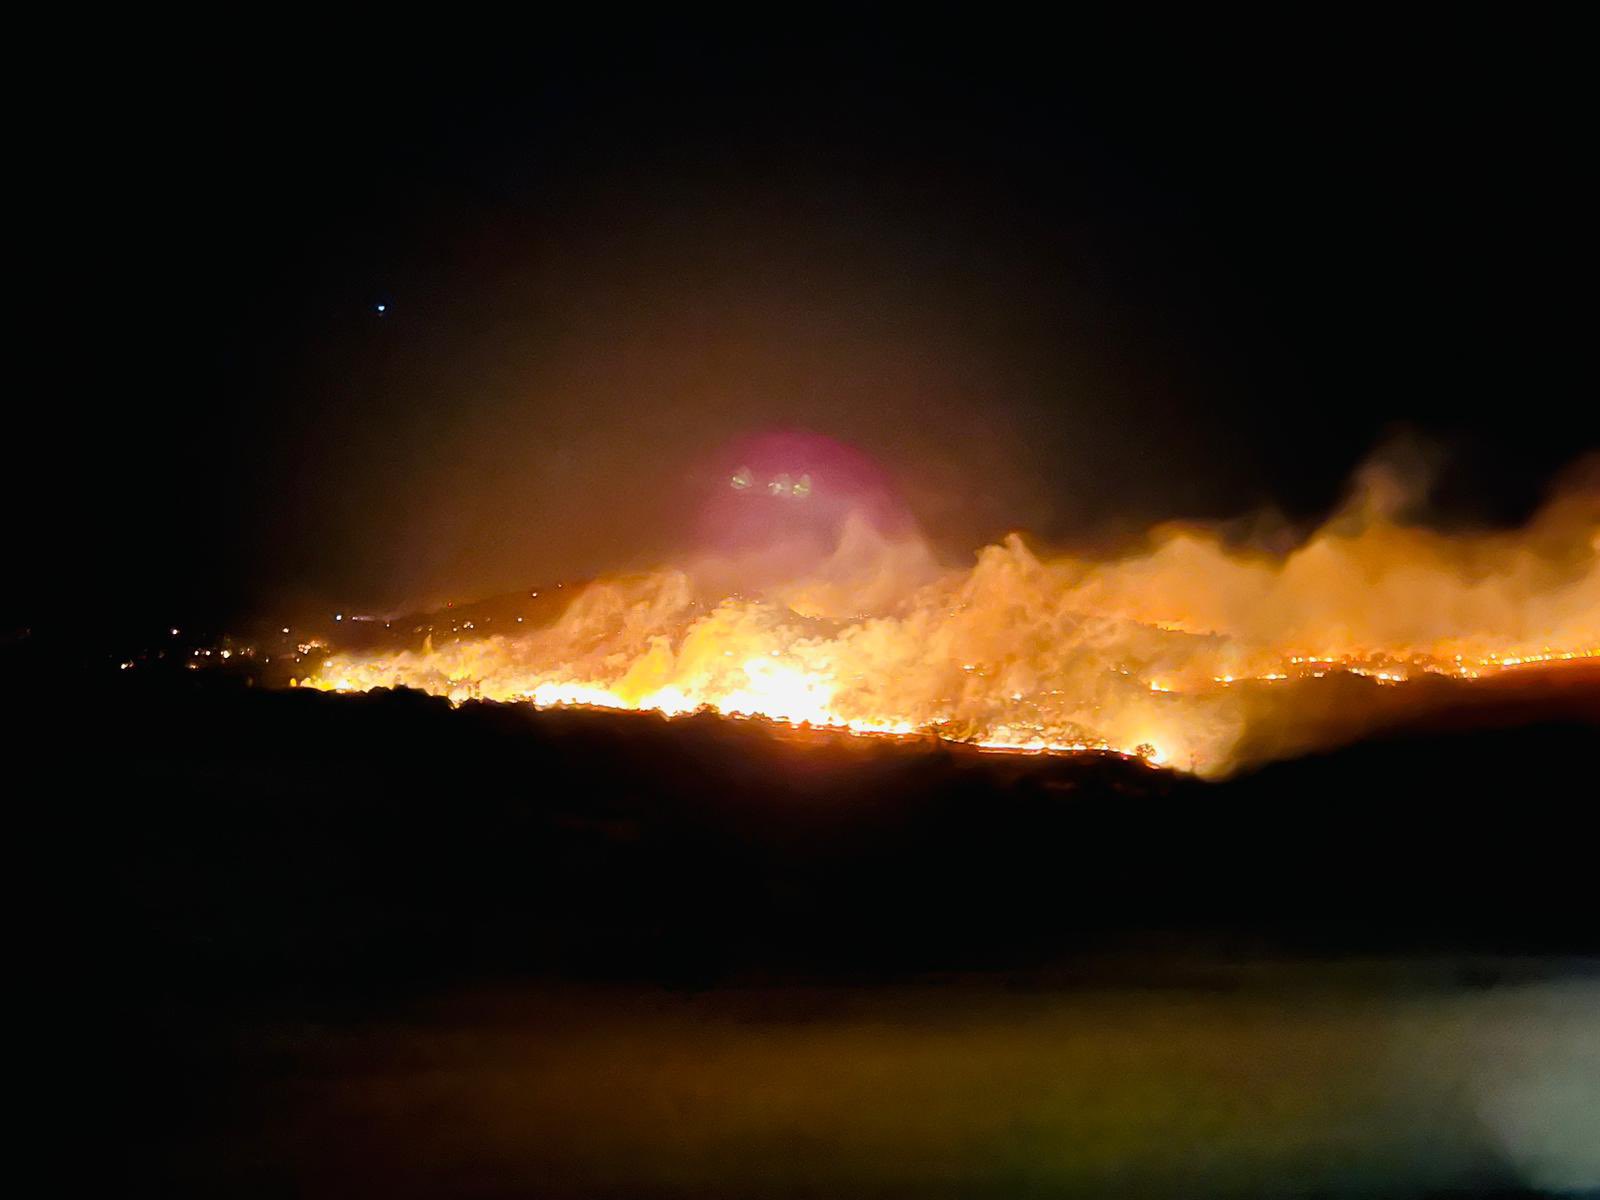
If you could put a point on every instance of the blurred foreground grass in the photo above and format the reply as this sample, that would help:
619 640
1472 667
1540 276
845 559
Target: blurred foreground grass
1337 1081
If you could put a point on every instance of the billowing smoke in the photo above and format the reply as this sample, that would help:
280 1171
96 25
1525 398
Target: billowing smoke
1186 649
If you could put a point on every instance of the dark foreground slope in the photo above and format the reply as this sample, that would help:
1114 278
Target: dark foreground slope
233 832
298 944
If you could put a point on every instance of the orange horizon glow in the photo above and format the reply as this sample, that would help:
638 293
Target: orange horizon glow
1139 655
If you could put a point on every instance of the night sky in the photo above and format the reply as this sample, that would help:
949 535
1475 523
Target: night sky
1062 281
317 324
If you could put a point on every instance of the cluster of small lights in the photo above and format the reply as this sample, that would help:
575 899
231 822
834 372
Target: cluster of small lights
228 650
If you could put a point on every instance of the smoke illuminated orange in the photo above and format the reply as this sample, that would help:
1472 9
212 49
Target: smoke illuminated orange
1142 654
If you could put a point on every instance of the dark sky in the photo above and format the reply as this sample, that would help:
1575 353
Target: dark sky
1065 281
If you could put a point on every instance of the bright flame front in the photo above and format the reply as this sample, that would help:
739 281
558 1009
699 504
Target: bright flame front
1171 653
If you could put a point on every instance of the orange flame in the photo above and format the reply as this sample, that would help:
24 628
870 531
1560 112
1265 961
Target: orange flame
1138 654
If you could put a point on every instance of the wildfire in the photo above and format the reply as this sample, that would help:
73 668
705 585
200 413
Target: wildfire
1170 653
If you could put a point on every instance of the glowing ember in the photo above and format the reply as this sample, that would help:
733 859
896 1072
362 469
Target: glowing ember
1169 654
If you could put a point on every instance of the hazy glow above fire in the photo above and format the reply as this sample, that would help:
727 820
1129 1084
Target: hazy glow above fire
1170 652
